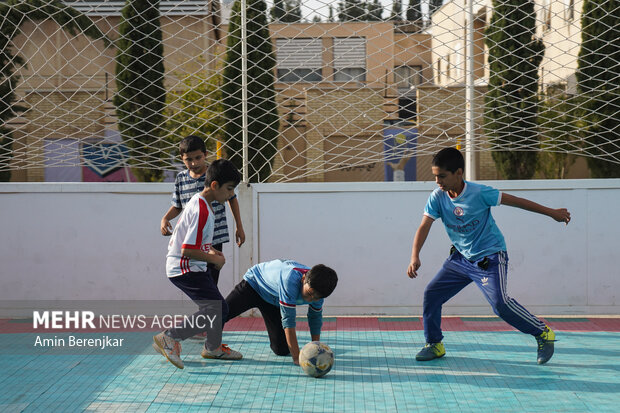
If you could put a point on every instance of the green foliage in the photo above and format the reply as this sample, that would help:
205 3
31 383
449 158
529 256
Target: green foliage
433 6
262 115
414 11
196 109
359 10
397 10
598 84
14 13
286 11
511 103
141 96
374 11
559 137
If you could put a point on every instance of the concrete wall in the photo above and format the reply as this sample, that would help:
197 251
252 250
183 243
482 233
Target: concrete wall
102 242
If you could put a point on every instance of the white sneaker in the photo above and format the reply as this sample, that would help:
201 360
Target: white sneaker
222 353
169 348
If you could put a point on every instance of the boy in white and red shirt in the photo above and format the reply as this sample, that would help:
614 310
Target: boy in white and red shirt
189 254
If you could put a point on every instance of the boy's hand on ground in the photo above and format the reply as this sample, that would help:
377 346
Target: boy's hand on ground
166 227
561 215
240 236
412 270
296 361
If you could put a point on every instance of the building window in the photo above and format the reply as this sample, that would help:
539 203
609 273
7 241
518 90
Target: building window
408 77
299 60
349 59
407 108
348 74
299 75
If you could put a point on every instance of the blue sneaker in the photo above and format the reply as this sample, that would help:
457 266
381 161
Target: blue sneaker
545 345
431 351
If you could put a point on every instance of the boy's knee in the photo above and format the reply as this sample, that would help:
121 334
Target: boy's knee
280 351
430 296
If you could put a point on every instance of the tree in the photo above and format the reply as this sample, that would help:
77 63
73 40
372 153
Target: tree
433 6
511 103
286 11
278 10
414 11
196 109
351 10
374 11
141 96
397 10
262 115
359 10
558 128
598 84
14 13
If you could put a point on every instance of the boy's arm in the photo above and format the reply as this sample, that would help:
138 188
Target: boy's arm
560 214
166 227
293 346
315 321
418 242
214 256
289 314
239 233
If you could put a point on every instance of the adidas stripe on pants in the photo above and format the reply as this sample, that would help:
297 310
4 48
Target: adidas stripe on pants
457 272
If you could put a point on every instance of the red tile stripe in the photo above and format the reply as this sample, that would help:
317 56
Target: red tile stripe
611 324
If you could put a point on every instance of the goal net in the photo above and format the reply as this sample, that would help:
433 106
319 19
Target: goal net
309 91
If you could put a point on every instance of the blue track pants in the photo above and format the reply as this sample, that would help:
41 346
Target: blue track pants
457 272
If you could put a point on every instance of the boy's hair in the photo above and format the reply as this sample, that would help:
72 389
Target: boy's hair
449 159
222 171
192 143
322 280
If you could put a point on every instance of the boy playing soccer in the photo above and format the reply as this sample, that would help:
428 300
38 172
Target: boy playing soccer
189 251
478 253
194 155
276 288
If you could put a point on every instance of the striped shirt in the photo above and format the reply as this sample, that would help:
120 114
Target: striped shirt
185 187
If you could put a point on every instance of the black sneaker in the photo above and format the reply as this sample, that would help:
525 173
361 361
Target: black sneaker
545 345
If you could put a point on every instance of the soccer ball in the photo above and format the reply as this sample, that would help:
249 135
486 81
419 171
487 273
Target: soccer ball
316 359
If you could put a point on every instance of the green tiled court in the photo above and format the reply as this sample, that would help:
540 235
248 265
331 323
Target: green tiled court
375 370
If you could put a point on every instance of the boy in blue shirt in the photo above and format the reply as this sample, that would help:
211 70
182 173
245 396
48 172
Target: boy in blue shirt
478 253
276 288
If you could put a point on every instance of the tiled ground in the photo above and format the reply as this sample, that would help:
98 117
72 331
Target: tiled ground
488 366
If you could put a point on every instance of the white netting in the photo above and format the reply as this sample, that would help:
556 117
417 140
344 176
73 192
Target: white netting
347 90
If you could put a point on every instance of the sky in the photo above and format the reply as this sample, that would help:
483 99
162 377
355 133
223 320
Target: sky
321 7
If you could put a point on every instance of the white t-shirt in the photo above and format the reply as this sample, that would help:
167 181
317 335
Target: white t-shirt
194 230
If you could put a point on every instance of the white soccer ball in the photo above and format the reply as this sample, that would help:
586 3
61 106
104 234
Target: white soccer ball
316 359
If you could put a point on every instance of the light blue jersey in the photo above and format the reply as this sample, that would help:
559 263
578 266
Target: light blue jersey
279 283
468 220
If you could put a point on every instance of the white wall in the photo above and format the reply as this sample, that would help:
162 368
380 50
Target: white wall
102 242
